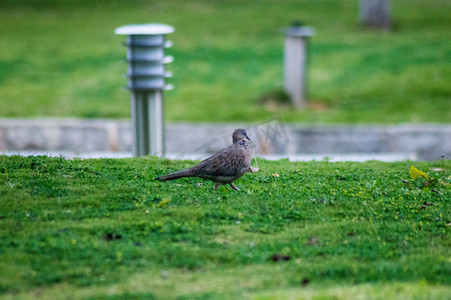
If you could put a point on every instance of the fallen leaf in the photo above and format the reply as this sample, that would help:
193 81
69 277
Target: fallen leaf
415 173
111 237
279 257
164 202
305 281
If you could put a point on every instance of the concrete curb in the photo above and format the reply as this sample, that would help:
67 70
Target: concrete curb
423 141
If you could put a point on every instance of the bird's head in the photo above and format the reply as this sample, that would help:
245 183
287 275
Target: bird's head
239 134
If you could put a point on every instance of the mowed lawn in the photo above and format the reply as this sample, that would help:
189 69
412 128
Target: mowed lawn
62 59
104 228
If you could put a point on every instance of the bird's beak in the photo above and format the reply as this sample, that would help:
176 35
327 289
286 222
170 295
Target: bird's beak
248 137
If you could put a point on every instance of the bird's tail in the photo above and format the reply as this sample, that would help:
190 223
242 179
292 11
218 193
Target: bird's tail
173 176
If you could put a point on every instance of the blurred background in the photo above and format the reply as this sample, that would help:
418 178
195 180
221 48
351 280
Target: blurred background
61 59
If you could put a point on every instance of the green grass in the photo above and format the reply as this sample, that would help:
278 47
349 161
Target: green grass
105 228
62 59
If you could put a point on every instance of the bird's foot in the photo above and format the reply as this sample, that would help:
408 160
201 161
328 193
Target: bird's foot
234 187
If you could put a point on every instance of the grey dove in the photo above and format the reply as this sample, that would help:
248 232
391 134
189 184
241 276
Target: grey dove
224 166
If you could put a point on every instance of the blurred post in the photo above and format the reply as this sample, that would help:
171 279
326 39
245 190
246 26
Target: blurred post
376 14
146 73
295 63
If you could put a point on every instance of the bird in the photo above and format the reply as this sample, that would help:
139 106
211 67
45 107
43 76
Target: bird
224 166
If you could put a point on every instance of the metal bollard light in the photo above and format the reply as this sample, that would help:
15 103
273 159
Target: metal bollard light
376 14
146 81
295 63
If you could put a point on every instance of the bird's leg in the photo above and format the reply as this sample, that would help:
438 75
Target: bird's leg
216 186
234 187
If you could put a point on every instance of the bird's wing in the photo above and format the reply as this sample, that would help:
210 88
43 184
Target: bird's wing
223 163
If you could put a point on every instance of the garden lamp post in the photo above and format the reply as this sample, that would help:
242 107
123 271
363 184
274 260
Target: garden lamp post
146 81
295 62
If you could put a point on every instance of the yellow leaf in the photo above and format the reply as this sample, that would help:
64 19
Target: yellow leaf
164 202
415 173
